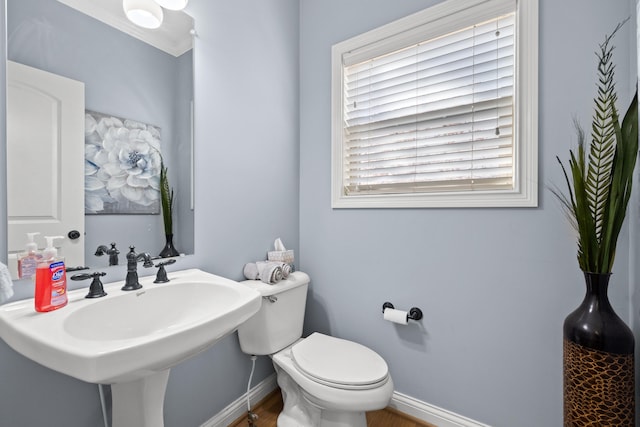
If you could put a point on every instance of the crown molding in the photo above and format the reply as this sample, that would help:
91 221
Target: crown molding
173 37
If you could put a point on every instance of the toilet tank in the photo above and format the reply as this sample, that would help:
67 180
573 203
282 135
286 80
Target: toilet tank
279 321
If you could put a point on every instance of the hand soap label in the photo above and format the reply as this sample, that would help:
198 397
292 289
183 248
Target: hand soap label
51 286
27 267
58 284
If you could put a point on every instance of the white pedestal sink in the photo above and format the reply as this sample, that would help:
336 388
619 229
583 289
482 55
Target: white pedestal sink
131 339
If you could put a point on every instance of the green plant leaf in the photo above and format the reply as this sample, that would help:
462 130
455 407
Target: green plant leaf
600 186
166 199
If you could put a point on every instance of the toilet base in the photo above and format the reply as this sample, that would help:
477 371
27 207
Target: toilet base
299 411
296 410
343 419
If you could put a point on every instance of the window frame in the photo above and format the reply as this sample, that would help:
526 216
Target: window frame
428 23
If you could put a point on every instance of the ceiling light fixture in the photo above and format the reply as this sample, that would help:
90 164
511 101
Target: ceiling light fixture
173 4
144 13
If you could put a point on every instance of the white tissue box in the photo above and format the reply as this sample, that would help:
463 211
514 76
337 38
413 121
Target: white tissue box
281 256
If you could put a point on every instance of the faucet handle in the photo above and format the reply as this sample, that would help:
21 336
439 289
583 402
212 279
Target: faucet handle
161 277
95 289
167 262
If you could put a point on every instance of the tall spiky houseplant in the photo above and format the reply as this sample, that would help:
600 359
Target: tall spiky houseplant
600 188
166 199
599 179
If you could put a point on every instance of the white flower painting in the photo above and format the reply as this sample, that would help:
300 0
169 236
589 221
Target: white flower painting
122 166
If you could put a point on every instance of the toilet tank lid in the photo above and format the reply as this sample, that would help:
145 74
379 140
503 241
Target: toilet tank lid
295 279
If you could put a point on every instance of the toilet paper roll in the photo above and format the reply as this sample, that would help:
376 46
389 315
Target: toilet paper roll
396 316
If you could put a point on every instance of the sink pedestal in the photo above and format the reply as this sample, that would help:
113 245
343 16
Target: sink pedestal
140 403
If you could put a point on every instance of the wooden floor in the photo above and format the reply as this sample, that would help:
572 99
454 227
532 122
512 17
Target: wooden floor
269 408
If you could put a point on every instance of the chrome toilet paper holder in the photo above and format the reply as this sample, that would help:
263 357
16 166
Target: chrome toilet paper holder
414 313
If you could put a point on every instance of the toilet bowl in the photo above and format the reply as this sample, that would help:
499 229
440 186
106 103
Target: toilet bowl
325 381
340 378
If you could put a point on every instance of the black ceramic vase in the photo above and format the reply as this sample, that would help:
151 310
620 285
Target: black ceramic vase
598 365
169 250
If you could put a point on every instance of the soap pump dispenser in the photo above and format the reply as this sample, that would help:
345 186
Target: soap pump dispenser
28 261
51 279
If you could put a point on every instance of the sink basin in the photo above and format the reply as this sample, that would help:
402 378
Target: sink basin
127 334
152 312
129 337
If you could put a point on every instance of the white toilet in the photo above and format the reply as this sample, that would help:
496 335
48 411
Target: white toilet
325 381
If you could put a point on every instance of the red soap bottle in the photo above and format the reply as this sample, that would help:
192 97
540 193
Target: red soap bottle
51 279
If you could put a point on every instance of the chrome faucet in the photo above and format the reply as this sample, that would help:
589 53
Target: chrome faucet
131 282
113 253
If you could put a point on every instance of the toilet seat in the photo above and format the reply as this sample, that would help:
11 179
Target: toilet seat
339 363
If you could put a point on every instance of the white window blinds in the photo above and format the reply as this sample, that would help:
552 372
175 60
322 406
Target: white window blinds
432 117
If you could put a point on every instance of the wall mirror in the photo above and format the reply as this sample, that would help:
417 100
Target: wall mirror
129 73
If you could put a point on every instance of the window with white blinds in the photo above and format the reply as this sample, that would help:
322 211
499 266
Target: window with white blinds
428 115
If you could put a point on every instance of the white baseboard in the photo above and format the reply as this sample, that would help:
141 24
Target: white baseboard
401 402
238 407
430 413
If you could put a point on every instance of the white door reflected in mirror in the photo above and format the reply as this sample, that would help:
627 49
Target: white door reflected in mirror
46 194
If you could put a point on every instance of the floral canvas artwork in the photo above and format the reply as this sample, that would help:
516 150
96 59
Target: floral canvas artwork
122 165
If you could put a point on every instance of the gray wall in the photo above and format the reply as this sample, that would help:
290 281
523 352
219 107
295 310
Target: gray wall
124 77
180 173
246 97
494 284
